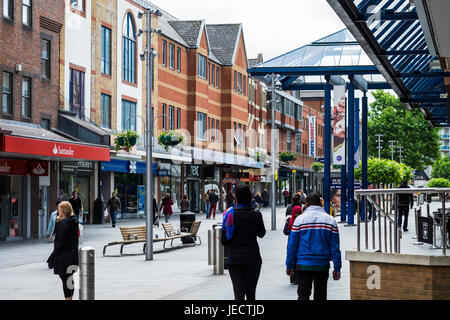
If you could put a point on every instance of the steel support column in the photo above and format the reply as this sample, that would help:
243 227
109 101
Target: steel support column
364 137
327 147
351 152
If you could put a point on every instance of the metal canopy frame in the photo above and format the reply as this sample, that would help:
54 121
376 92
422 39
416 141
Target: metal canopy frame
392 36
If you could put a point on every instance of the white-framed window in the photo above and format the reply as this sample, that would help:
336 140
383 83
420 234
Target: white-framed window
178 59
171 117
26 98
26 12
171 56
201 66
8 9
45 58
201 126
129 50
7 93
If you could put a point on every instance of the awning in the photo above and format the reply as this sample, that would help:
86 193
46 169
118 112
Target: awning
53 149
32 141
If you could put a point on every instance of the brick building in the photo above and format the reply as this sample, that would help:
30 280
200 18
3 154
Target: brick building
31 147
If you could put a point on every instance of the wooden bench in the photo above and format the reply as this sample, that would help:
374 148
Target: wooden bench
132 235
173 234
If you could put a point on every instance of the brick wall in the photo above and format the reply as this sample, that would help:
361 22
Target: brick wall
402 279
20 44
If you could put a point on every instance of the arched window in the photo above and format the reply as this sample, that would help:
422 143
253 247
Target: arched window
129 49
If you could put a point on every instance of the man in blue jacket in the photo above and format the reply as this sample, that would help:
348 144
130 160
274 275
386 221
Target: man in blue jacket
313 242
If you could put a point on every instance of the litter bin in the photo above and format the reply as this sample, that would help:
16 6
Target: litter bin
186 220
98 210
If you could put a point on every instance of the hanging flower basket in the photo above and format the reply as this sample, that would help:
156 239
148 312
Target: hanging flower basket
126 140
170 139
287 156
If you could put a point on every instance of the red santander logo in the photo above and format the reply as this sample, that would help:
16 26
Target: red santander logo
58 150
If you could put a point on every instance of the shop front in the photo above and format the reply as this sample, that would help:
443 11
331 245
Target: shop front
193 187
128 182
16 178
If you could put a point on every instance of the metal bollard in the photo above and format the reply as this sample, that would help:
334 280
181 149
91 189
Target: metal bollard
87 273
218 252
210 247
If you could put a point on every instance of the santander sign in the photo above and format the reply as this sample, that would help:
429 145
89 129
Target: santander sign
58 150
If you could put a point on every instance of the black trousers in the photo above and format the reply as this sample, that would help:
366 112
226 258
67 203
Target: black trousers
403 211
244 279
305 281
68 293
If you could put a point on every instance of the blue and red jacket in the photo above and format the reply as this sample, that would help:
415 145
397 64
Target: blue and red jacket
314 240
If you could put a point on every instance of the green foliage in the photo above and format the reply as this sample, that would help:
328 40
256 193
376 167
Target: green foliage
389 117
439 183
170 138
287 156
441 168
385 171
317 167
126 140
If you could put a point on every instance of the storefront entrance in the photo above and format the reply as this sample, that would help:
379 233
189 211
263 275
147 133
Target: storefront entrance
194 195
12 207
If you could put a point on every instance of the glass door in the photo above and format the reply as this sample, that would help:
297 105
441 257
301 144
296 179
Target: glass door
194 195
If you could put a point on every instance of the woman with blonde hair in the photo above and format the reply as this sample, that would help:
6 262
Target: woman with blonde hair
64 258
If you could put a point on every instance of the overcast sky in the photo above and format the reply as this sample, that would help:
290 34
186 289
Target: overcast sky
270 27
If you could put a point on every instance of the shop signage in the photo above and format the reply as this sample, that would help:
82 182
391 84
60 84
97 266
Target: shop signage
425 230
339 125
163 172
194 171
336 183
312 137
255 178
23 167
80 166
132 167
54 149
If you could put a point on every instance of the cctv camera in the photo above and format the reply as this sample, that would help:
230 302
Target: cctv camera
140 32
140 14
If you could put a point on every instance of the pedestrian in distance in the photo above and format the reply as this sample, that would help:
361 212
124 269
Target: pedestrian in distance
51 229
64 258
294 202
286 197
258 199
265 196
302 197
155 212
114 207
230 199
207 203
313 241
184 205
213 199
240 229
404 202
75 201
296 211
166 207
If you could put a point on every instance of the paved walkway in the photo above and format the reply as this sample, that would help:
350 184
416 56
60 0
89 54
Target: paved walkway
181 274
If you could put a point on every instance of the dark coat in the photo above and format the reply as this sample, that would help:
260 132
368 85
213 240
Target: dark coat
166 206
76 205
65 252
213 198
405 199
258 199
243 249
114 204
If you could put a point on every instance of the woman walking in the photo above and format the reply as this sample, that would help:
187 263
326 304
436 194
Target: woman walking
64 258
184 205
166 207
241 228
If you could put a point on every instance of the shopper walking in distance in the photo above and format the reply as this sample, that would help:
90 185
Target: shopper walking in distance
230 199
213 199
404 202
114 207
302 197
265 196
290 219
295 202
52 223
155 212
313 241
207 203
166 207
75 201
64 258
286 197
240 229
184 205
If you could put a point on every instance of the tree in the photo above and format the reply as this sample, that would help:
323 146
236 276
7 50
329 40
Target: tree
439 183
383 171
389 117
441 168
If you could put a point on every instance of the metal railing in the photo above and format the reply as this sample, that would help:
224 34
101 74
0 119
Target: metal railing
390 221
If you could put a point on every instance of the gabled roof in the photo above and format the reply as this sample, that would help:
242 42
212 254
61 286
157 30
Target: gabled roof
224 39
189 31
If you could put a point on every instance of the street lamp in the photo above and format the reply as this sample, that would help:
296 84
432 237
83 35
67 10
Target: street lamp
149 54
275 84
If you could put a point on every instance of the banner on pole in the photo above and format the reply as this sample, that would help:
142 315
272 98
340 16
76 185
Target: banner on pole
312 137
338 113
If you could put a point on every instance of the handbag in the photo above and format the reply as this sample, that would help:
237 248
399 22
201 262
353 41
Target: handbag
105 213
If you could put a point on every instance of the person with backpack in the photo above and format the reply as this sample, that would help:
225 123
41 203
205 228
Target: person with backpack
213 199
230 199
240 229
296 211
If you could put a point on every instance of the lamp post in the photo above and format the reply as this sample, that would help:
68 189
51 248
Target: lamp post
379 144
149 54
274 80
